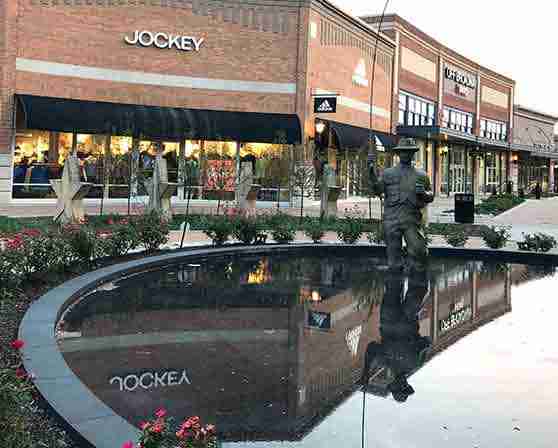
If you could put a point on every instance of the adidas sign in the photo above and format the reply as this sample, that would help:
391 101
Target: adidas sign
325 105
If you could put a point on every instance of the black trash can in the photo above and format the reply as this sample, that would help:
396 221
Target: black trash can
464 208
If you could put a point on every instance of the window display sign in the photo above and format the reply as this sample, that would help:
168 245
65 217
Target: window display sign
220 175
164 40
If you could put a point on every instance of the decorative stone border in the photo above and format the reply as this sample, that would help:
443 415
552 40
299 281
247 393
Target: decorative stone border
93 420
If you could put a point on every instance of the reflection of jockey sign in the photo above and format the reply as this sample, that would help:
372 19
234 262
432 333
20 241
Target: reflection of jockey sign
150 380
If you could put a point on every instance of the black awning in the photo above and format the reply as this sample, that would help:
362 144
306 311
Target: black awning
352 137
96 117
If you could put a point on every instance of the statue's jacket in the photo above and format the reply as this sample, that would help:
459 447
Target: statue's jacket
399 187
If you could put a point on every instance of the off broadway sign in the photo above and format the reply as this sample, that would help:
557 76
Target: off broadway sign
164 40
325 105
150 380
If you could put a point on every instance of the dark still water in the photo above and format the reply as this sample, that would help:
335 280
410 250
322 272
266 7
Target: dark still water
328 351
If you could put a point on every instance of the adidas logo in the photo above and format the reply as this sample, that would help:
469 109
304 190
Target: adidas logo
325 107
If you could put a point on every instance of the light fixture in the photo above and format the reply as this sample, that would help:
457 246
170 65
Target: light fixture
320 127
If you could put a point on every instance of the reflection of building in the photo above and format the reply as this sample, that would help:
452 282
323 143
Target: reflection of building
252 361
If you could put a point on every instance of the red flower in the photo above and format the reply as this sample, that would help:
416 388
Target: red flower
110 221
160 413
128 444
18 344
20 373
157 429
123 222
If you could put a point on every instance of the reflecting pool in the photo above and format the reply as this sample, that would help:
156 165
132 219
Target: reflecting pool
328 351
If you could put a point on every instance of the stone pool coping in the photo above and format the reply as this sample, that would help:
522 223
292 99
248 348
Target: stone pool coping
95 422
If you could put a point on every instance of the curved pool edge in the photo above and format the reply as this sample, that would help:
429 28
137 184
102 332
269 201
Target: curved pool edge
71 400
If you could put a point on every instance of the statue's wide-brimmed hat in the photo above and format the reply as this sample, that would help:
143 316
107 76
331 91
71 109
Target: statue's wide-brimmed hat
407 144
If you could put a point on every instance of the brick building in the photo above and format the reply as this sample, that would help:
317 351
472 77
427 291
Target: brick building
534 150
460 111
205 83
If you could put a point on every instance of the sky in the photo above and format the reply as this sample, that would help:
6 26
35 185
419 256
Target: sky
516 39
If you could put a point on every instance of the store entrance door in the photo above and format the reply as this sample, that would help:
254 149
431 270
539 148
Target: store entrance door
457 171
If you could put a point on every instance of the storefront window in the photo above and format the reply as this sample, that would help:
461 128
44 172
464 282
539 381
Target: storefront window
33 168
118 175
218 169
270 164
190 171
90 150
458 120
415 111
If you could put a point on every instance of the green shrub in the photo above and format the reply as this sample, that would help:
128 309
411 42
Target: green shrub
539 242
284 232
496 204
151 229
455 236
376 234
246 229
82 241
218 229
350 229
495 238
314 229
117 242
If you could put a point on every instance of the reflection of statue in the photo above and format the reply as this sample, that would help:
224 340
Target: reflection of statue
402 349
407 191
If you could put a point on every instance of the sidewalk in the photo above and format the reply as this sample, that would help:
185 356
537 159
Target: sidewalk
440 211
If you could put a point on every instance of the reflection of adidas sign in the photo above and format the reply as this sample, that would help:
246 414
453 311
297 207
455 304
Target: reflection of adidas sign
318 319
352 339
325 107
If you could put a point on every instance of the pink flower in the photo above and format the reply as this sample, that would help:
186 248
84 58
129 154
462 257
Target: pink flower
128 444
160 413
20 373
157 429
110 221
180 433
210 429
144 425
17 344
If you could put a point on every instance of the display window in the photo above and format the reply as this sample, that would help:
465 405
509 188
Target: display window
270 165
33 167
119 166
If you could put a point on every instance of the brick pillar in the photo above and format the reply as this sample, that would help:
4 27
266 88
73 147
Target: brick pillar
8 43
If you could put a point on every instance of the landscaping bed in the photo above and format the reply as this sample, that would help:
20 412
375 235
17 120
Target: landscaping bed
498 204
